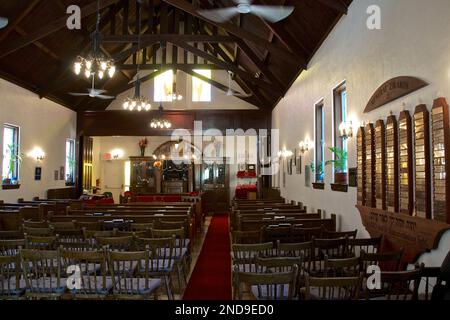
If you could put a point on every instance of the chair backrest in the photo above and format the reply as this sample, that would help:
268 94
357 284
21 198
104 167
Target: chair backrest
35 224
347 288
10 235
92 225
340 234
42 272
136 234
300 234
333 248
123 266
141 226
41 242
117 243
246 237
271 286
274 233
277 264
244 255
10 276
89 267
38 231
369 245
161 251
397 285
57 226
181 240
387 261
347 267
11 247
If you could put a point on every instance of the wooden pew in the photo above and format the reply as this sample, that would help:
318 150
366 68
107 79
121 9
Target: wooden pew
252 225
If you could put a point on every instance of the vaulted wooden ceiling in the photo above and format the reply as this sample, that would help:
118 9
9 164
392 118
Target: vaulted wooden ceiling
37 50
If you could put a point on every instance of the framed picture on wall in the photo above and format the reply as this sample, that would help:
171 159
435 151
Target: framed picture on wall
37 173
62 172
56 175
284 179
295 157
290 163
353 177
307 176
299 165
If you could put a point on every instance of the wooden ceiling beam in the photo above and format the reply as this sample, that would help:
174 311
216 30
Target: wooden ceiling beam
239 32
166 37
16 21
156 66
336 5
227 66
217 85
50 28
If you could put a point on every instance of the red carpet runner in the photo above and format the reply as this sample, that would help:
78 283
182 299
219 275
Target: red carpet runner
211 278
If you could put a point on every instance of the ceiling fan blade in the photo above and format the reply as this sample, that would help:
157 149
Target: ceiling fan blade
101 96
219 15
243 95
243 1
272 13
77 94
3 22
96 91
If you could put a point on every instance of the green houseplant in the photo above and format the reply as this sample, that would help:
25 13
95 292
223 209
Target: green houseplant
340 165
71 163
16 157
318 171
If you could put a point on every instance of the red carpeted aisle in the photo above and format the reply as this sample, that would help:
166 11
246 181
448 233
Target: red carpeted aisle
211 278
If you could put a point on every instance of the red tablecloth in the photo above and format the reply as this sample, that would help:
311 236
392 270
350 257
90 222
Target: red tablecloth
242 191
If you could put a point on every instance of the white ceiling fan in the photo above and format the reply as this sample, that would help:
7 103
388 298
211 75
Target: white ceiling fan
233 93
93 93
3 22
270 13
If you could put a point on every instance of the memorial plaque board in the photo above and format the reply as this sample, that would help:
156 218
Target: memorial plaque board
392 172
361 159
380 165
370 166
422 162
406 164
441 160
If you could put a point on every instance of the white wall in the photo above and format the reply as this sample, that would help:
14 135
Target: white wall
414 41
43 124
219 100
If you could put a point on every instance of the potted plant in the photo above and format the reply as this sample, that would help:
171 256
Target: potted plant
319 171
71 163
340 165
15 157
142 145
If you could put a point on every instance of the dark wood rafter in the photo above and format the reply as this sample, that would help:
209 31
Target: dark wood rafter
335 5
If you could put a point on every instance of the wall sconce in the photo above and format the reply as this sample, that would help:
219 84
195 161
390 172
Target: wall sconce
304 146
117 153
285 153
37 153
346 130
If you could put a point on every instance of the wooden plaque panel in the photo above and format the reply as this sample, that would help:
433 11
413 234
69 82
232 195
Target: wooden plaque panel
406 164
441 160
422 162
370 166
361 158
392 169
380 165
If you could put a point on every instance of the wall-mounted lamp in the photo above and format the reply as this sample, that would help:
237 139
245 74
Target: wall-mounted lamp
285 153
346 130
304 146
117 153
37 153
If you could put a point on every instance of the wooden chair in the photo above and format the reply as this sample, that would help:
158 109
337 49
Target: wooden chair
72 239
116 243
135 234
397 285
91 226
42 274
300 235
38 231
90 236
11 288
182 254
41 242
369 245
333 248
339 234
246 237
11 247
162 259
348 267
347 288
58 226
127 283
244 255
387 261
266 286
141 226
90 268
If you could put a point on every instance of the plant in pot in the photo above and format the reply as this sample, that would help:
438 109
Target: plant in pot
340 165
318 171
15 157
71 163
142 145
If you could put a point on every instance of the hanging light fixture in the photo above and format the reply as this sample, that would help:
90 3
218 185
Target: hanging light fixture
95 63
174 95
137 102
160 122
